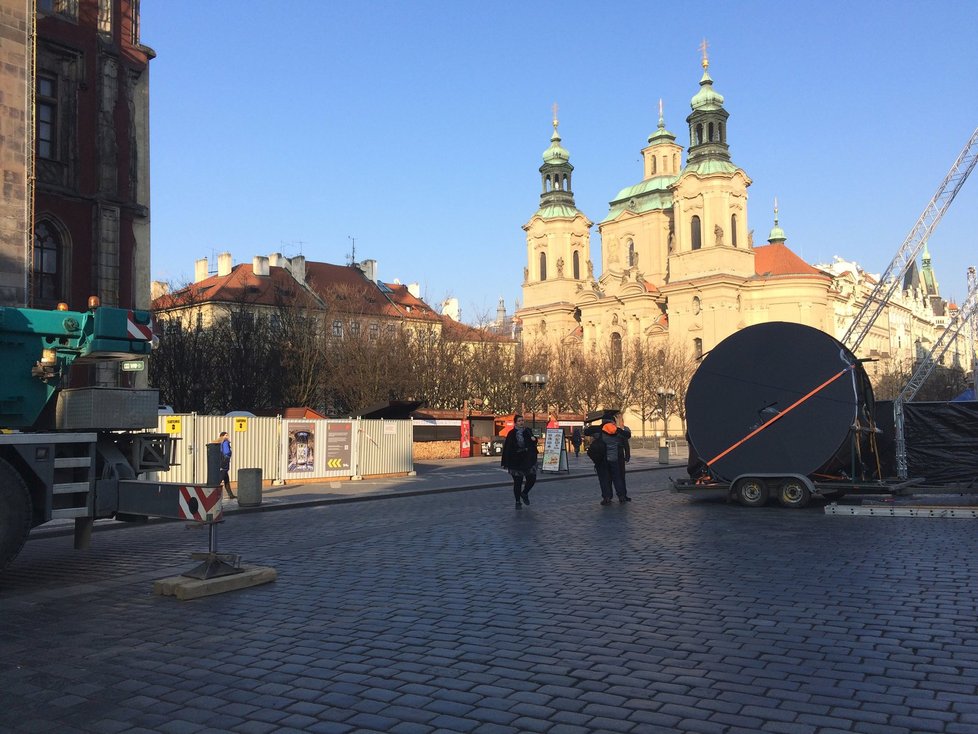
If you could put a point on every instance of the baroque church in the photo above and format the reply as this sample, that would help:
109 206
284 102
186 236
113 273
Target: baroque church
678 261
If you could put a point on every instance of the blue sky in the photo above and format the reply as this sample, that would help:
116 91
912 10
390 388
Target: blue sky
417 128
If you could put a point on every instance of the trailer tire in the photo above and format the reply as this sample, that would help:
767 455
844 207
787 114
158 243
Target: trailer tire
794 494
15 513
751 492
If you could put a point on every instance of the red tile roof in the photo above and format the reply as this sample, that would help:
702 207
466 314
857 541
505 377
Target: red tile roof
776 259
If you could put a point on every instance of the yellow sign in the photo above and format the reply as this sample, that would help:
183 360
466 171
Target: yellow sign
240 424
335 463
174 424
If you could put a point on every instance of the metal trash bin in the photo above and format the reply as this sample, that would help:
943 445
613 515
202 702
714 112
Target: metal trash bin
663 451
249 487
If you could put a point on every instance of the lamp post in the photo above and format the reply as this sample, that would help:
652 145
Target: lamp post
538 381
665 397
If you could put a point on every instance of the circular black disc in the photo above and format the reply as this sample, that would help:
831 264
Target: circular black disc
758 373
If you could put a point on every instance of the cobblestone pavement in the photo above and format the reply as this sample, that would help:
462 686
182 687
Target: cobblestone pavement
453 612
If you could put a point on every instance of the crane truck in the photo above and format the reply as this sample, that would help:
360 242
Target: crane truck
79 452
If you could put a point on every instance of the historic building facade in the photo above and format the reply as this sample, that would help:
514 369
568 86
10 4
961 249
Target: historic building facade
679 265
75 129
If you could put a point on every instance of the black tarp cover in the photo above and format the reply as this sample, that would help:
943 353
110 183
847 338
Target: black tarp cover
941 439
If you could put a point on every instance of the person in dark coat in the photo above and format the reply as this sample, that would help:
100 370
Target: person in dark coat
520 459
611 474
576 440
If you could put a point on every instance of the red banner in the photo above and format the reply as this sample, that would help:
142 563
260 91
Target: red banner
465 444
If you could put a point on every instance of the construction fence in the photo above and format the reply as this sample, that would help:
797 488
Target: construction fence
296 450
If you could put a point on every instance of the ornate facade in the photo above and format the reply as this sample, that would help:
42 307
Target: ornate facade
678 261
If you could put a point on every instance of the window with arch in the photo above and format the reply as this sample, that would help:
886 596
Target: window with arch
616 354
723 137
48 268
733 229
697 348
652 161
697 306
543 266
576 264
710 131
699 133
631 254
694 233
566 184
47 117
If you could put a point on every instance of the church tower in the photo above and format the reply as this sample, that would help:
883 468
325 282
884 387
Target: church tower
558 251
710 197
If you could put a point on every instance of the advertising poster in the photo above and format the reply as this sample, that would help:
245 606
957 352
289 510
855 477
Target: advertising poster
302 441
465 448
554 454
339 440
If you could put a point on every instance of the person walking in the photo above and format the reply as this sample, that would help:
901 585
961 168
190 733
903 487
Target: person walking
520 460
226 463
576 440
610 465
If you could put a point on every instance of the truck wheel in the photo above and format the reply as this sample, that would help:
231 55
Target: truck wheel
751 492
793 493
15 513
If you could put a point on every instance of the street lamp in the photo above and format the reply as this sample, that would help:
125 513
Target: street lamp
665 396
539 381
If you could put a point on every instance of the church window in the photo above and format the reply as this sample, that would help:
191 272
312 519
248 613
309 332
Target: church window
696 304
566 183
543 266
697 348
652 161
694 233
733 229
616 357
49 266
547 183
47 117
675 162
710 132
723 135
699 133
577 265
631 254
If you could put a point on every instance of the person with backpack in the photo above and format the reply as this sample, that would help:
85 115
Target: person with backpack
607 451
520 459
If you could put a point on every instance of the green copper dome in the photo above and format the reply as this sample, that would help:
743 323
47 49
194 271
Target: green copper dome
777 234
556 153
707 98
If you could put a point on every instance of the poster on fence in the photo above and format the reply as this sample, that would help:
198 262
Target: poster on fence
302 443
554 451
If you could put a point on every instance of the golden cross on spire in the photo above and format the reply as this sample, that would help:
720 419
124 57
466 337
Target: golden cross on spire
706 59
555 115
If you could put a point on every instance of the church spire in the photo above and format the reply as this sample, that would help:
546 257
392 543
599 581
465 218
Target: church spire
556 171
777 236
708 120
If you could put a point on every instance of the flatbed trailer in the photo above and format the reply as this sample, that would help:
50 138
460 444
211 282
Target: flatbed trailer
791 490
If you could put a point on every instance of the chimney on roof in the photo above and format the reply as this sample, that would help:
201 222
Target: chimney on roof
200 269
297 266
259 265
369 269
276 260
449 308
224 263
414 289
157 289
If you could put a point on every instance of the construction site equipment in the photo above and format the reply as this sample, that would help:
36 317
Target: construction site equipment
889 281
78 453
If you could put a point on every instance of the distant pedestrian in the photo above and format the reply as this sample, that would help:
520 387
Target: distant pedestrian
520 459
609 464
576 440
226 463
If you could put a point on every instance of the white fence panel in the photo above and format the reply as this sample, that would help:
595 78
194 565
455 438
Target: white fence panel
385 447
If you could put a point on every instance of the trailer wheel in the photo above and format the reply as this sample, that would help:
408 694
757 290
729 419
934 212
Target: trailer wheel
794 494
15 513
751 492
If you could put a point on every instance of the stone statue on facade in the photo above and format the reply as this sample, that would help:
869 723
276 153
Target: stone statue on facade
718 233
560 267
750 238
526 274
590 270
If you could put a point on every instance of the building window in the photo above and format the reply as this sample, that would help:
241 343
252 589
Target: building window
47 117
105 17
698 348
47 266
338 329
200 321
699 134
67 8
696 305
733 229
355 328
694 233
616 356
577 265
652 161
374 332
543 266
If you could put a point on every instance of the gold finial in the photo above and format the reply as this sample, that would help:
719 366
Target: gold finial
555 115
706 59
